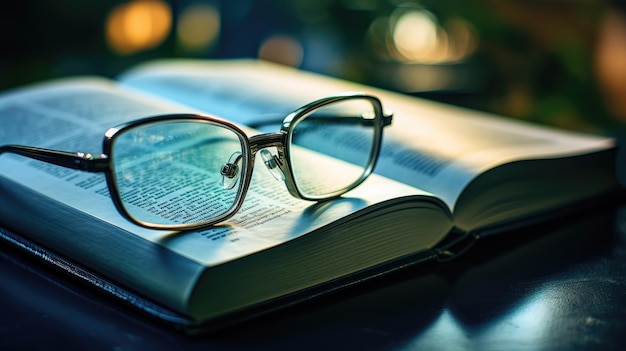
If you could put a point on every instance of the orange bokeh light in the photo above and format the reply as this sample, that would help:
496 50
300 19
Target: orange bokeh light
138 25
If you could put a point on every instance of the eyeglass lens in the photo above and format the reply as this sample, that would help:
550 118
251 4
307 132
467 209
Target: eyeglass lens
344 130
177 172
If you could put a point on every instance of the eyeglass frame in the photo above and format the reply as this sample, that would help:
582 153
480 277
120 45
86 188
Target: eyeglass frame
281 140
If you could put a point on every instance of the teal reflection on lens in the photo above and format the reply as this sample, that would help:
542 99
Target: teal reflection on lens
332 147
168 172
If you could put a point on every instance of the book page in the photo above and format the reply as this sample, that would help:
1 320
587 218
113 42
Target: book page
72 115
431 146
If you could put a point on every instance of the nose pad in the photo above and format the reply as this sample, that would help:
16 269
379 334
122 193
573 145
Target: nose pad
231 170
271 162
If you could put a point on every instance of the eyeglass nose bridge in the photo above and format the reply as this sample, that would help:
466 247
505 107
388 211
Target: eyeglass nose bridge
263 141
276 164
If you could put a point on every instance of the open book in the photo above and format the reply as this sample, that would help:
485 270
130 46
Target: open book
445 176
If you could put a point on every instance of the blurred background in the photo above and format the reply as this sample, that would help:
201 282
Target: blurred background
555 62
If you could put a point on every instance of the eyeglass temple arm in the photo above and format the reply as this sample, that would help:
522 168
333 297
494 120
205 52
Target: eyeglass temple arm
387 118
75 160
362 120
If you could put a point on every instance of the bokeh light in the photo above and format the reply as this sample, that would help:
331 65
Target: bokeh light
138 25
198 27
282 49
418 37
610 64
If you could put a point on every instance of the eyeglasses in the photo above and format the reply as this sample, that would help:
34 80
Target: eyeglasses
189 171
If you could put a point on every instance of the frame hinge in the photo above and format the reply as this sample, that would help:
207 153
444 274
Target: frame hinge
90 163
